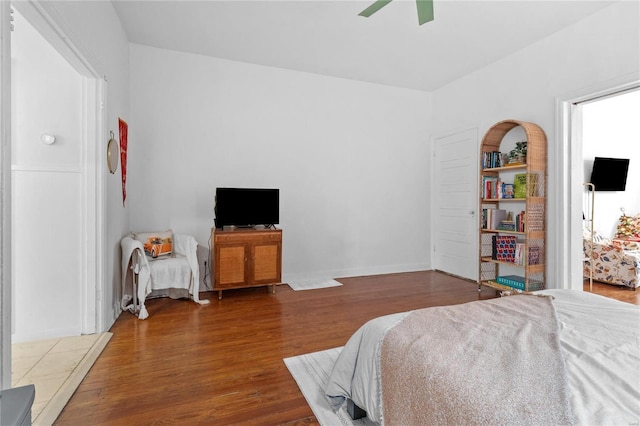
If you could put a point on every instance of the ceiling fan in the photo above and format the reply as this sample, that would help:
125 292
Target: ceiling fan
425 10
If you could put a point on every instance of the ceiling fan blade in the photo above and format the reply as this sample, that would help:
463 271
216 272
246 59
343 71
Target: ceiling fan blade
425 11
379 4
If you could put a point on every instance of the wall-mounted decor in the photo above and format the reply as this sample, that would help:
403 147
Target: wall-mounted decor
124 129
113 153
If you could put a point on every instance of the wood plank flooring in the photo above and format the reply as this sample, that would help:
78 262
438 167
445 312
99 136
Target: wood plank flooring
222 363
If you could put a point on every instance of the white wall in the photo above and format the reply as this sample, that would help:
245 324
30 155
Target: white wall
46 189
94 30
351 159
610 129
525 85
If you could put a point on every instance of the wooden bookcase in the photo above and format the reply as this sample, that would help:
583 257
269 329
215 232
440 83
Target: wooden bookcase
246 257
532 237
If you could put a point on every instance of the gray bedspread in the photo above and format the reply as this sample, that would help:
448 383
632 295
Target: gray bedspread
600 344
495 362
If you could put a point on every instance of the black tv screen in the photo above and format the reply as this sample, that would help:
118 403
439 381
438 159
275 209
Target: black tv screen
247 207
609 174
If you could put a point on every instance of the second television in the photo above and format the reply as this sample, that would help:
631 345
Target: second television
246 207
609 174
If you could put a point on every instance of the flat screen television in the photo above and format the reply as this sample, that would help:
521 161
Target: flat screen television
609 174
246 207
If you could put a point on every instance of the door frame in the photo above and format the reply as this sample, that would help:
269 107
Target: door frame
569 168
93 179
5 196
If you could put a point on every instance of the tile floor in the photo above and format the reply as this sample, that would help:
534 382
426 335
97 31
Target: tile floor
48 364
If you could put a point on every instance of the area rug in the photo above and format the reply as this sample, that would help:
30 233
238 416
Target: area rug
311 373
313 284
54 407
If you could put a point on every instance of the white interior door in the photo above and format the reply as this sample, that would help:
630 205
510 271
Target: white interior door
455 192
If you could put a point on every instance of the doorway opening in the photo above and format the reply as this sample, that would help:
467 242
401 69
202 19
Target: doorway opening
610 130
77 168
571 172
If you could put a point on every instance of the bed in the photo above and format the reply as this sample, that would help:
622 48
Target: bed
565 357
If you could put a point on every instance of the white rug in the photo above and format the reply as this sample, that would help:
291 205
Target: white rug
311 372
313 284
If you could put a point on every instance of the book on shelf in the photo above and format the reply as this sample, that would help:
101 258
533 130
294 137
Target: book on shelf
505 248
519 255
534 255
518 282
520 222
489 187
491 218
508 190
494 251
507 225
520 185
491 159
494 188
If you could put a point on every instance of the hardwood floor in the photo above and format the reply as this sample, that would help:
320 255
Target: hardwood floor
222 363
624 294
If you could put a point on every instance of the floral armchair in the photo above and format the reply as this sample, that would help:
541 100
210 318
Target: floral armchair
615 261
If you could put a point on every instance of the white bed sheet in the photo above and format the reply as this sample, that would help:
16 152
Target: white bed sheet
600 341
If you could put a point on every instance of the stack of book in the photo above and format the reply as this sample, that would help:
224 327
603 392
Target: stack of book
520 222
489 187
491 159
508 190
493 188
507 225
491 218
519 283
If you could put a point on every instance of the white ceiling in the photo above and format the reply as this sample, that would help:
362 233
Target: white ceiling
329 38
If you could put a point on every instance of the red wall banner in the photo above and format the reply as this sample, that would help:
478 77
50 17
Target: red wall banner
124 129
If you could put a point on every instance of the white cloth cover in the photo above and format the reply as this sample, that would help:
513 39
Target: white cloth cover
175 277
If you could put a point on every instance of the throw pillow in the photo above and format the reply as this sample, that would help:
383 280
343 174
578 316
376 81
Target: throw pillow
156 243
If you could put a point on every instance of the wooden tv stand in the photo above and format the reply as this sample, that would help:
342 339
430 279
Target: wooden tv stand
246 257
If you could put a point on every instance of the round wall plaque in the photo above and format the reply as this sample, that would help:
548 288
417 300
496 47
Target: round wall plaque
113 153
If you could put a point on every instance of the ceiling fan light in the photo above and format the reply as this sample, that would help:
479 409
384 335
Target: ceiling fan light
379 4
425 11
